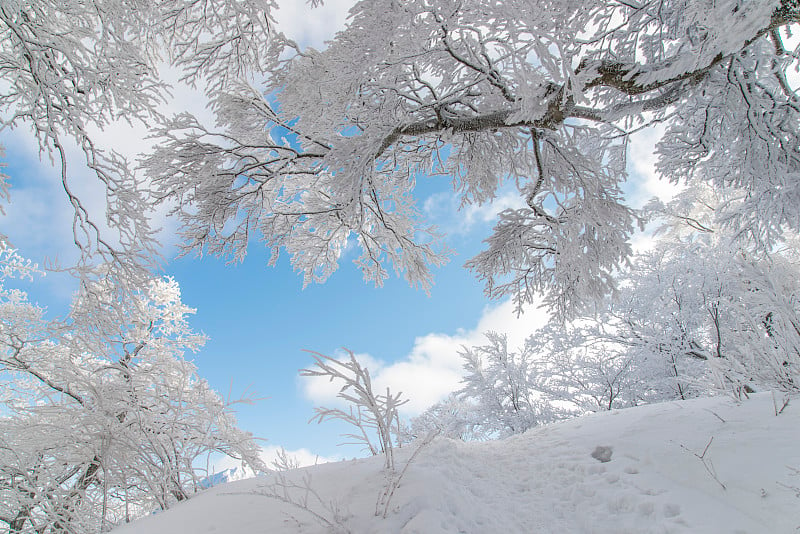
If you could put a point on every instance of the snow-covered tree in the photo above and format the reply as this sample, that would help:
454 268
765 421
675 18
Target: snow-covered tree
454 418
714 304
702 300
579 368
543 94
697 313
101 421
560 371
502 385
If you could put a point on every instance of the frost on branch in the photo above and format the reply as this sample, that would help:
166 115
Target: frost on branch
543 94
326 152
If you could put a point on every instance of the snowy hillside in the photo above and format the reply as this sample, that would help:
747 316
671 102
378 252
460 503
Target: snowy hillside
657 479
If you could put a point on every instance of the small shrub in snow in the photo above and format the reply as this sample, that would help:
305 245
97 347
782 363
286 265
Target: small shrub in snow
374 416
302 495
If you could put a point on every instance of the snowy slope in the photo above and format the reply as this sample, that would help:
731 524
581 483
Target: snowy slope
548 481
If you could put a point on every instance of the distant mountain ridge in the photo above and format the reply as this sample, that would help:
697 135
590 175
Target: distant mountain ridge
223 477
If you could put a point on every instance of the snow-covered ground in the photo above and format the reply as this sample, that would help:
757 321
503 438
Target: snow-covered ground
702 466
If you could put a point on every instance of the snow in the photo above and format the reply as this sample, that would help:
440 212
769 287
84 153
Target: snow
657 480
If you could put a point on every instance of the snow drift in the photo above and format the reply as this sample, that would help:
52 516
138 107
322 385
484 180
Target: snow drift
707 465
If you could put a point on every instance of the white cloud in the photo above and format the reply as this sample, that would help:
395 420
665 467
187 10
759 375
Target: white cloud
646 183
433 367
643 158
445 210
311 27
38 217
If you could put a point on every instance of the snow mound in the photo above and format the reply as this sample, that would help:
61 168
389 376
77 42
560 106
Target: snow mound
707 465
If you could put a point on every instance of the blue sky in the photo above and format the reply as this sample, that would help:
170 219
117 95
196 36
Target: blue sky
260 320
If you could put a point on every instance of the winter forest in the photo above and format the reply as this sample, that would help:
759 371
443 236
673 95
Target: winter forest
325 156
